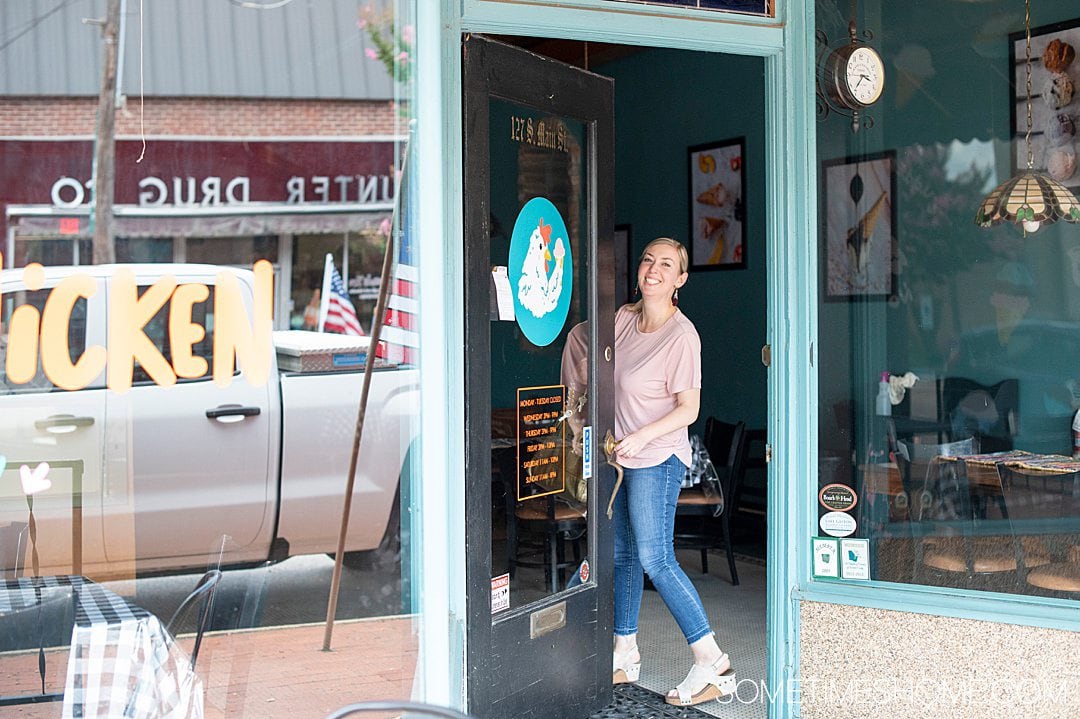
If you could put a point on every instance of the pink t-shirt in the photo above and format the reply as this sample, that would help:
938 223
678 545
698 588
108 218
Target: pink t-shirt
650 369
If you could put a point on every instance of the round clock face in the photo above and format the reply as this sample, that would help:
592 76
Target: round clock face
864 75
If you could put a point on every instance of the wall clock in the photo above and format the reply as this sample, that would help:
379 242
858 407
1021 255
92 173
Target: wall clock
851 78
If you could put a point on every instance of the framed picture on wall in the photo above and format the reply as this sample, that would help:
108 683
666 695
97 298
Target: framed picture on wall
625 265
1054 103
859 226
717 173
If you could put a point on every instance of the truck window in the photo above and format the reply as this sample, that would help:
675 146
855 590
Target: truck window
157 329
76 338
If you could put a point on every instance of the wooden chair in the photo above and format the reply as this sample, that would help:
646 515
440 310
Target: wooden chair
950 539
1044 510
726 444
539 531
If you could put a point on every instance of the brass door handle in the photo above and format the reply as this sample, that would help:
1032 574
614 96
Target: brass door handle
610 444
609 449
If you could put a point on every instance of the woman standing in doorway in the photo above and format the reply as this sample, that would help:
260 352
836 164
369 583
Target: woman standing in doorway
658 393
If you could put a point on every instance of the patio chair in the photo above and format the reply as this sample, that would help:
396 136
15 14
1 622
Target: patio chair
407 709
13 538
203 596
951 540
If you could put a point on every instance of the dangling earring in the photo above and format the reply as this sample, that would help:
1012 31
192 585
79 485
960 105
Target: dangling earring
637 290
675 297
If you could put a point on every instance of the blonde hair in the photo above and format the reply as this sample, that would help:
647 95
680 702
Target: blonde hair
680 249
684 256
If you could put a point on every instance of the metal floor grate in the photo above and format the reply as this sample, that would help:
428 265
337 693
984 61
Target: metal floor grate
629 700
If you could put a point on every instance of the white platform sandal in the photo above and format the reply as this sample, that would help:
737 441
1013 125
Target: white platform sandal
623 671
704 684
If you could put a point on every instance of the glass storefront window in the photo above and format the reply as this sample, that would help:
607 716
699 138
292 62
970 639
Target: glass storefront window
51 251
239 251
141 249
154 427
986 319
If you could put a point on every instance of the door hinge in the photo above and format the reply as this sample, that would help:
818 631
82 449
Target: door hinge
766 355
768 453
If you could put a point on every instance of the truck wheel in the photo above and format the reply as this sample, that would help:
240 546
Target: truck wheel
388 554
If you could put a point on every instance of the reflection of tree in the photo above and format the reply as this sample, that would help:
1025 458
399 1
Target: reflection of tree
935 217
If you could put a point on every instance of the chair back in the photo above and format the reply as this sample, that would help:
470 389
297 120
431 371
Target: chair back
988 412
726 444
936 489
203 596
13 538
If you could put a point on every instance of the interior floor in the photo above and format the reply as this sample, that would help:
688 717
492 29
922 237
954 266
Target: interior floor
737 614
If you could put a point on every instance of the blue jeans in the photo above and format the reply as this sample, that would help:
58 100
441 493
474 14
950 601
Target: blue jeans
644 521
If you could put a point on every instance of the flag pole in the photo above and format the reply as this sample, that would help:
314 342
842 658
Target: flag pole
324 298
373 346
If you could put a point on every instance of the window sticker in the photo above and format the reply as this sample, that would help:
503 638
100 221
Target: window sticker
541 269
586 452
826 557
854 558
837 524
504 297
500 593
838 497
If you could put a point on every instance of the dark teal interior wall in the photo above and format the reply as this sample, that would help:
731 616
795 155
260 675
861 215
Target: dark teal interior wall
665 102
946 107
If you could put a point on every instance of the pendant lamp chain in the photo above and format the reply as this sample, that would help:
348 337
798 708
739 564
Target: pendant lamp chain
1027 66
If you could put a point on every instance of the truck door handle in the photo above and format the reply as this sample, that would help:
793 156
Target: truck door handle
229 413
63 423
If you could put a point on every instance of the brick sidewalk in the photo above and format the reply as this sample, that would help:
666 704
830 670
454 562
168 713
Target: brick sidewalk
275 672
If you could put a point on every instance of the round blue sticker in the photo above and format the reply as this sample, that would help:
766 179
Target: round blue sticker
541 271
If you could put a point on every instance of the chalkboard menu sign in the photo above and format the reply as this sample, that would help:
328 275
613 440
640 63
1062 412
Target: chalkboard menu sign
541 449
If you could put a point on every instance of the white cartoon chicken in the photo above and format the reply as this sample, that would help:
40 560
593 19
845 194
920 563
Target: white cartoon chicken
538 291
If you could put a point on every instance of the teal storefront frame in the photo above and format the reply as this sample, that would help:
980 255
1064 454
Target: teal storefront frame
786 44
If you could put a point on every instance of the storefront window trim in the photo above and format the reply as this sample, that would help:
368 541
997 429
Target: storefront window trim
685 29
646 13
948 602
439 227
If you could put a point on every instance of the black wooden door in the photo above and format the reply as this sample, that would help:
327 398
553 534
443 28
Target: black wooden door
538 213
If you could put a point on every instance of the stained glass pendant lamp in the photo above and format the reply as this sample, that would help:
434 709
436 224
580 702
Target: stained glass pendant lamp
1030 198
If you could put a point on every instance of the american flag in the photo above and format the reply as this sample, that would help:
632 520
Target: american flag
400 339
339 314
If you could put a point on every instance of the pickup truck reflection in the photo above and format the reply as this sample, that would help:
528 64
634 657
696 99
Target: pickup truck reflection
163 478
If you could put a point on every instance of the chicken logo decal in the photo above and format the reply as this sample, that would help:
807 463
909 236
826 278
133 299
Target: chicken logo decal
539 291
540 271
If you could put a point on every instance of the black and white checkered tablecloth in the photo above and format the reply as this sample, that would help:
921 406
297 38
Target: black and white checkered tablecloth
122 662
95 604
